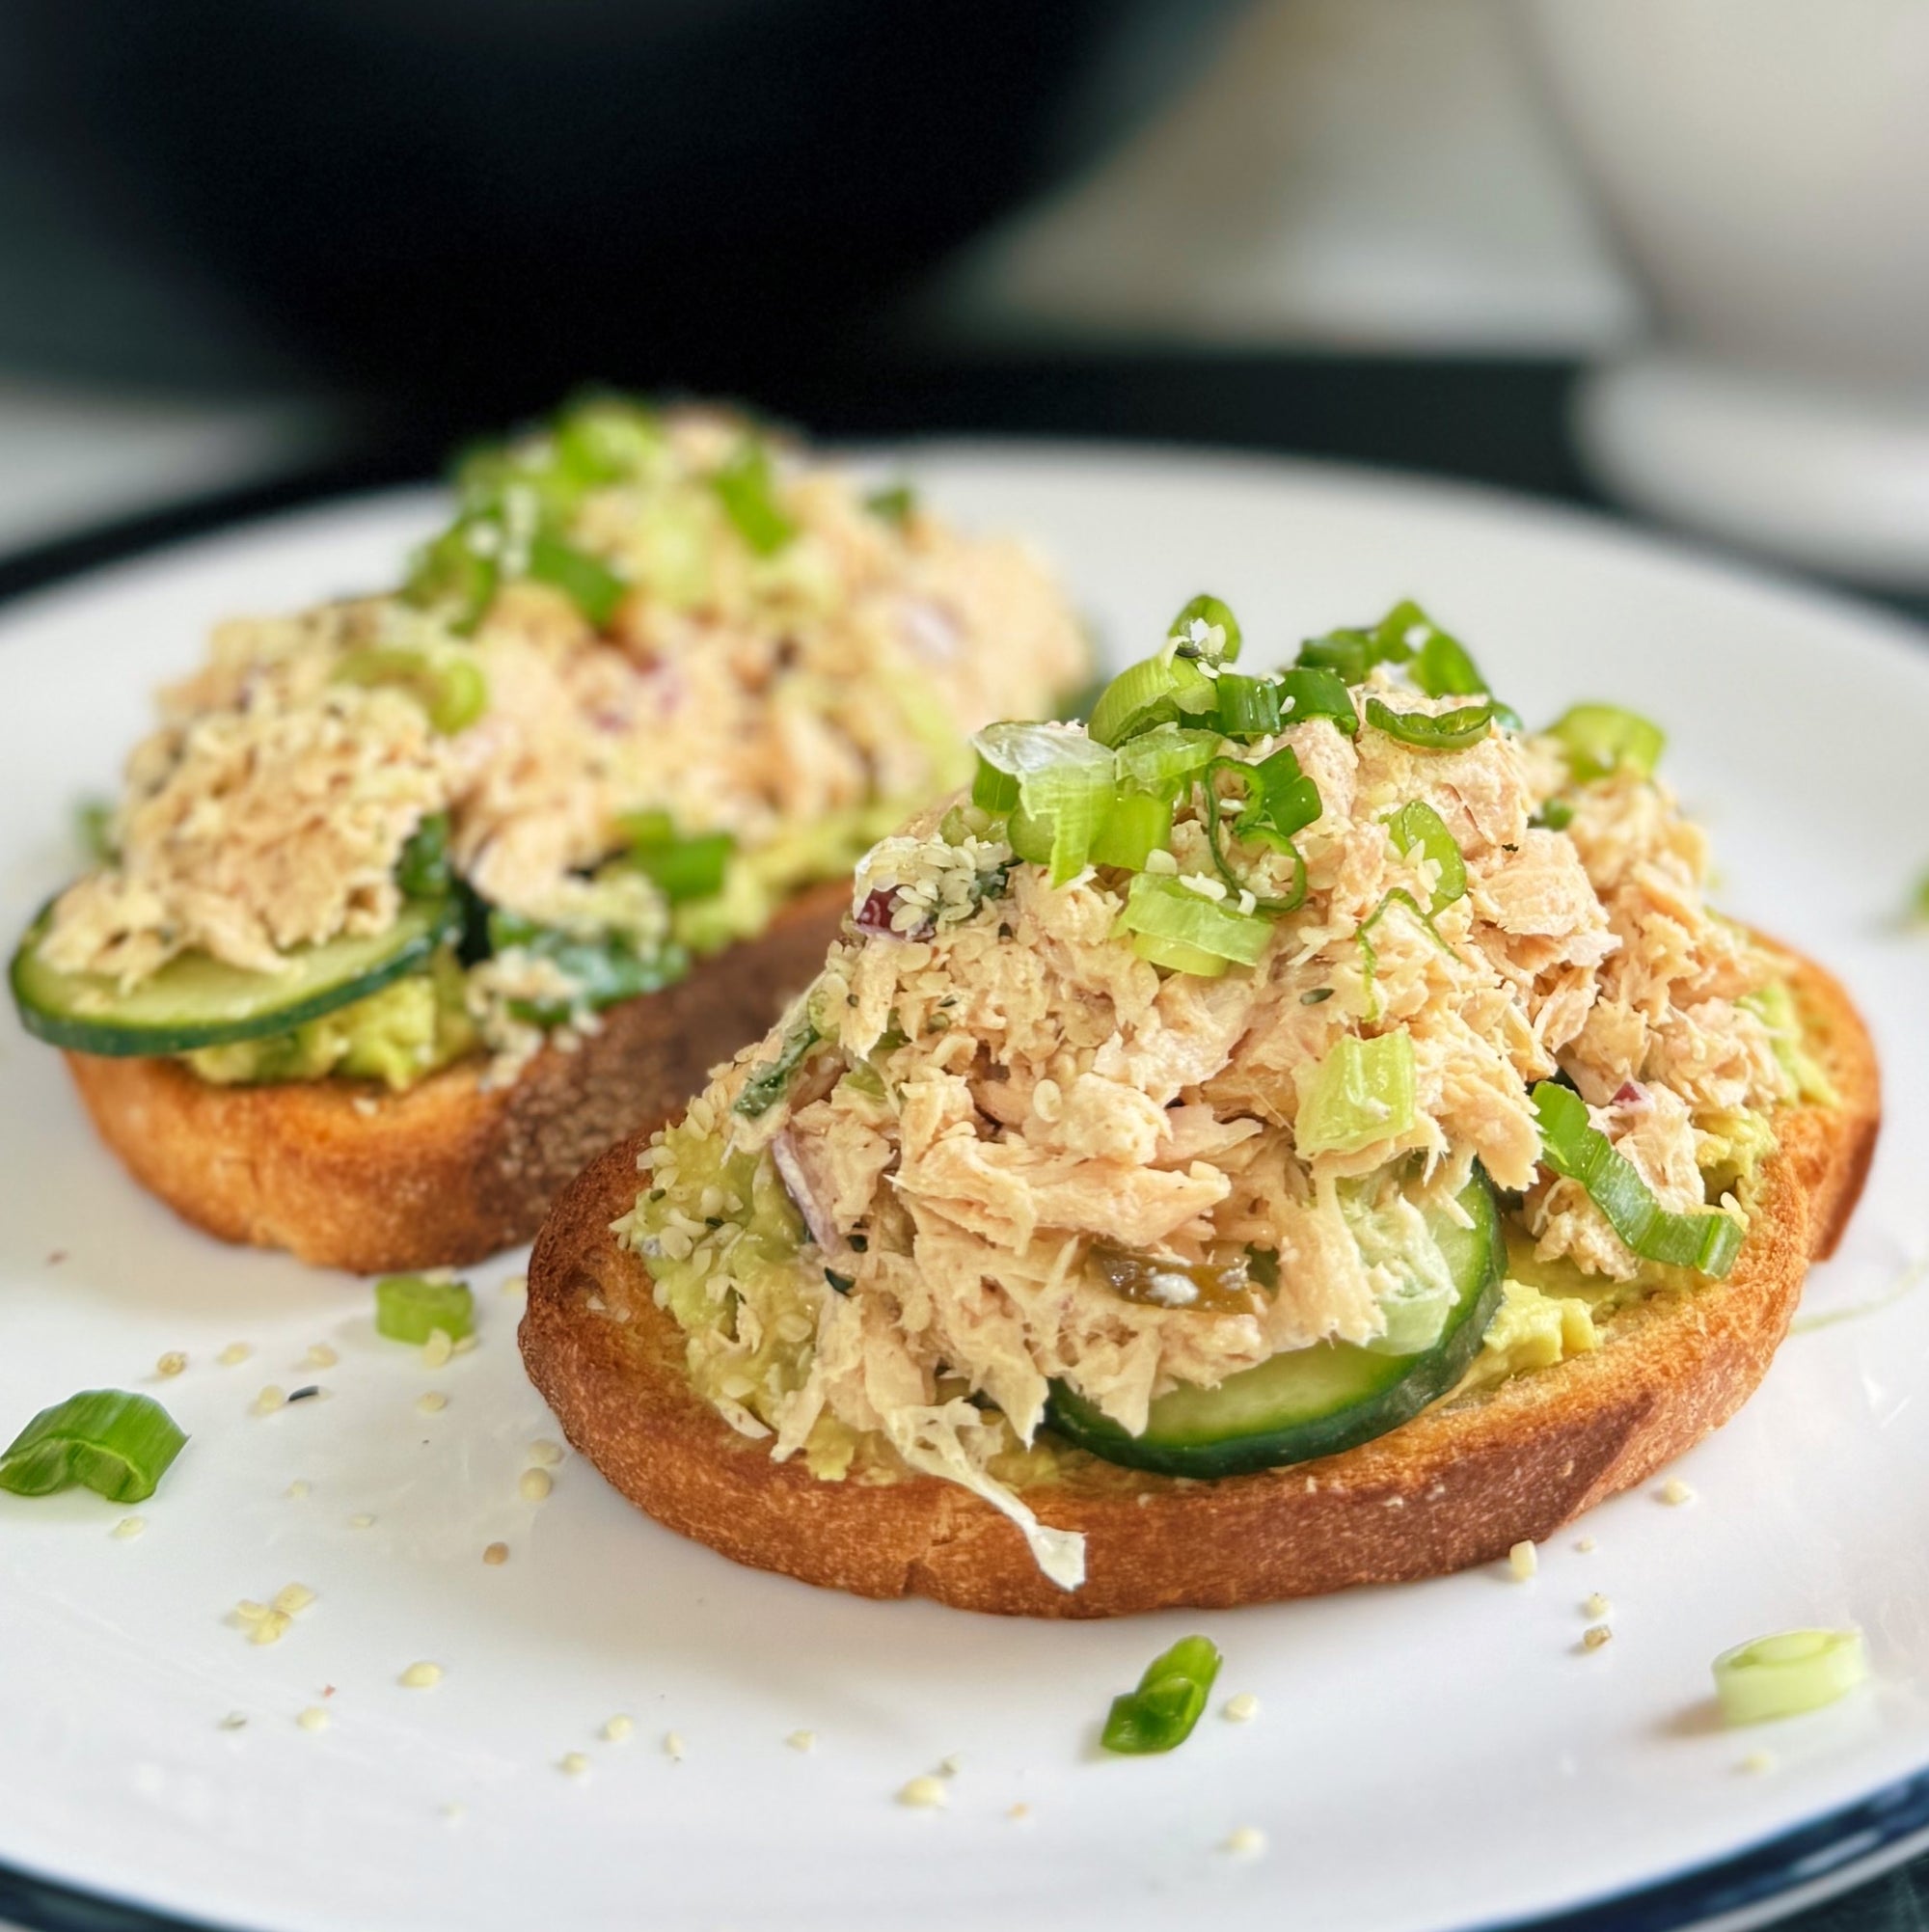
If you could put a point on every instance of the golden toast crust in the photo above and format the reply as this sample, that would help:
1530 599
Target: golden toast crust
1457 1485
347 1175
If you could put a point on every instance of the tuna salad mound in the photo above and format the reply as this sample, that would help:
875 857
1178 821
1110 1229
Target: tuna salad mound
658 675
1223 1084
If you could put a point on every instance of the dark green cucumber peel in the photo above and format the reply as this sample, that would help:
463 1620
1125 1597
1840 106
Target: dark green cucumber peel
197 1001
1310 1402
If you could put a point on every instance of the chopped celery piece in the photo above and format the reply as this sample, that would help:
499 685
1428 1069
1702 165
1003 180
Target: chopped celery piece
1362 1094
1067 786
1168 754
1792 1671
116 1444
1602 738
1168 1703
411 1308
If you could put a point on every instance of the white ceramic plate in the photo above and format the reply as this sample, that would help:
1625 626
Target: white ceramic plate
1439 1757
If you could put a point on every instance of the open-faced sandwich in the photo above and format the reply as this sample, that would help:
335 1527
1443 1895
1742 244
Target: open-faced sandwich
415 902
1302 1130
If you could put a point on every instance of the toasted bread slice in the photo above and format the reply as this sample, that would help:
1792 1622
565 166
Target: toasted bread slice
346 1175
1457 1485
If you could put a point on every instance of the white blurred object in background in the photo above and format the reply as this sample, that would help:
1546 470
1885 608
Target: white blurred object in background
1765 164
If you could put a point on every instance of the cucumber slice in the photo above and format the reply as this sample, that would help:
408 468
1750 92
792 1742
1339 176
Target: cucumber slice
1311 1402
198 1001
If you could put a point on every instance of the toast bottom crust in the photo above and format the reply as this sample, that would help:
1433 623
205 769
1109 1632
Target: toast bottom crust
345 1174
1457 1485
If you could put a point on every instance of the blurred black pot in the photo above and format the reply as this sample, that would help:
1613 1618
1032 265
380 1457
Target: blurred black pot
484 199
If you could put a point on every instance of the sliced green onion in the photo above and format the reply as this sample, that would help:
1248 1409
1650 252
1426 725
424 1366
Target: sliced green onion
451 688
1167 756
453 575
1416 822
993 790
1450 731
895 505
1276 800
682 868
1169 1701
1153 691
771 1081
1312 691
1160 911
607 439
1139 825
423 870
1248 707
1571 1145
411 1308
603 968
93 821
118 1445
1067 787
1602 738
1792 1671
746 489
1556 815
1191 630
1350 655
1362 1094
587 582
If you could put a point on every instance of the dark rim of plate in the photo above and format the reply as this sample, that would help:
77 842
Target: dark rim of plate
1807 1865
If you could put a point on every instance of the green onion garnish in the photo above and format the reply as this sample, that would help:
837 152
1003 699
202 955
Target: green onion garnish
1450 731
1792 1671
1312 691
684 868
1207 614
1362 1094
587 582
1248 707
1602 738
1572 1146
895 505
1139 825
1169 1699
118 1445
1174 926
411 1308
452 573
1416 822
1276 800
769 1082
423 870
602 438
1556 815
1165 757
748 491
1153 691
1068 783
450 687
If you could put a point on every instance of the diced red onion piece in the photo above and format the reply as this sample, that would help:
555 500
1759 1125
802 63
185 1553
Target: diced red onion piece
789 1163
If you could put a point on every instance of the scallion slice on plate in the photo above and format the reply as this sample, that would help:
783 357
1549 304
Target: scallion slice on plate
411 1308
116 1444
1168 1703
1792 1671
